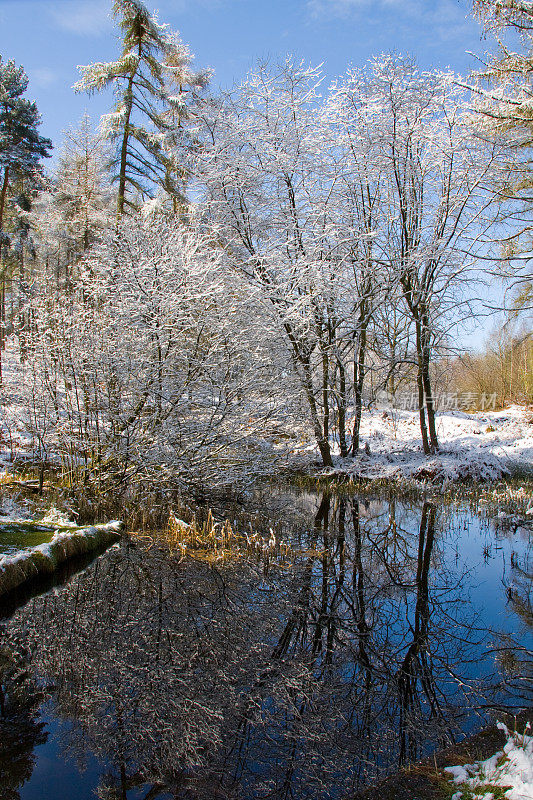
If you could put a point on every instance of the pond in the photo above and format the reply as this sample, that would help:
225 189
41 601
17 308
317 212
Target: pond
387 629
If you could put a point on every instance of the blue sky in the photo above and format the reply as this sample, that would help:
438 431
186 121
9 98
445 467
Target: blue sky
50 37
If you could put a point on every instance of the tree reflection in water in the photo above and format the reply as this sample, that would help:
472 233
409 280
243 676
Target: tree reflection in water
194 681
21 730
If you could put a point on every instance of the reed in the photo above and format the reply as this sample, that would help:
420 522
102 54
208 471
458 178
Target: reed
212 541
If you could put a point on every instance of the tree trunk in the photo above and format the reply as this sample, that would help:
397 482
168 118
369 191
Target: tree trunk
305 373
428 394
421 395
124 150
341 403
325 393
3 194
359 379
430 407
320 434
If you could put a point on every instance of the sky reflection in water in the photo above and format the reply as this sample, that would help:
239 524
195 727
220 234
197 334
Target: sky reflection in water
157 679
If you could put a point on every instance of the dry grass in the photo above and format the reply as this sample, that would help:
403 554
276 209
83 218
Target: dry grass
513 494
216 541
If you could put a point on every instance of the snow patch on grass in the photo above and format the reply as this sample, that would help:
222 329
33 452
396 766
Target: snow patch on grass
508 773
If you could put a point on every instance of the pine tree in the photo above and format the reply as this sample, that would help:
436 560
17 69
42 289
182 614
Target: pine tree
152 63
21 145
75 206
21 150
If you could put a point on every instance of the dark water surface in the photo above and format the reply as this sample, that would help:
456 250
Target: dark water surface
389 630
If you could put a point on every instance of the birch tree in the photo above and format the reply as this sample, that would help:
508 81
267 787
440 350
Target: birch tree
437 211
270 181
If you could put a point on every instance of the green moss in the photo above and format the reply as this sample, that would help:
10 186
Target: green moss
67 544
15 536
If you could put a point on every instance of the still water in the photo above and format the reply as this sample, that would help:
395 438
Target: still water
388 630
17 536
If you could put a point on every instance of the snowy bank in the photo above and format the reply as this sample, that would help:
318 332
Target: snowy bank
66 543
510 771
434 776
479 447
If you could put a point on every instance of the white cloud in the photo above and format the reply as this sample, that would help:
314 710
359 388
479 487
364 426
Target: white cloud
445 18
93 17
450 19
42 76
335 8
348 8
165 7
83 17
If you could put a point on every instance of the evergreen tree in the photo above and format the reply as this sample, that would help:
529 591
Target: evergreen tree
21 150
21 145
75 207
152 64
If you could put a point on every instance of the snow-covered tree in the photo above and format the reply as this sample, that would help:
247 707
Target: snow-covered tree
339 213
81 189
271 184
150 78
74 207
504 109
435 213
508 100
357 212
154 364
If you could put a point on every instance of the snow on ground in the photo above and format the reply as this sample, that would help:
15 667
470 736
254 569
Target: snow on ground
11 508
480 446
508 773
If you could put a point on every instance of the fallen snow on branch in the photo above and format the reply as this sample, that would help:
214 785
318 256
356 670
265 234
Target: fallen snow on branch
510 770
479 446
